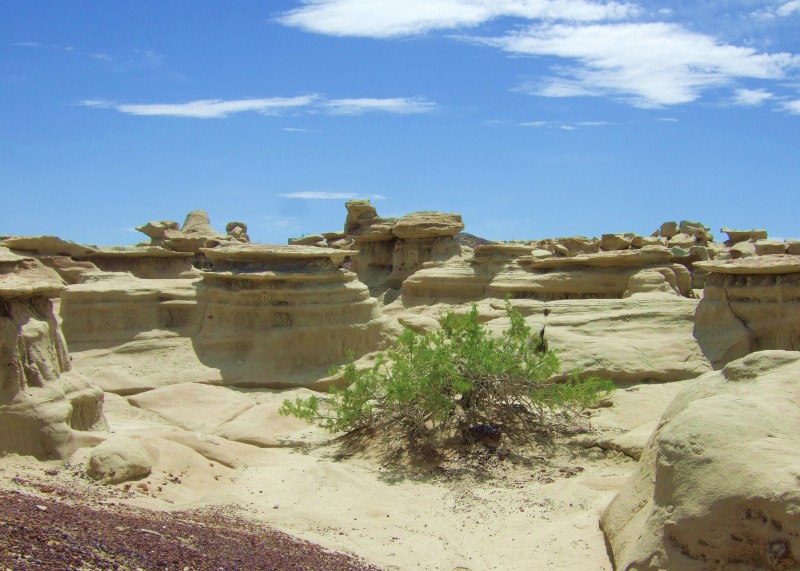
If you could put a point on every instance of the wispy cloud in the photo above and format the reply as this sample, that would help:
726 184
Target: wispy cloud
394 18
66 49
608 49
792 107
310 195
365 105
298 130
219 108
647 64
564 125
213 108
783 10
751 97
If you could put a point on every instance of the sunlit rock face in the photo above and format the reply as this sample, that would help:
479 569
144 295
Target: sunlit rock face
522 272
258 316
42 404
716 487
275 315
391 249
749 304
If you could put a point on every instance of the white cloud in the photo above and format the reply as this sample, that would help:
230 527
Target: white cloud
564 125
309 195
788 8
782 11
366 105
394 18
650 64
751 97
792 107
218 108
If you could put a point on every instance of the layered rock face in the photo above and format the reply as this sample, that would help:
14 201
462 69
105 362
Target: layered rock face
42 404
388 250
748 305
717 486
519 271
259 316
275 315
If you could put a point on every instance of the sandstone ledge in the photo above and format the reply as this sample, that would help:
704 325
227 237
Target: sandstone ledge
770 264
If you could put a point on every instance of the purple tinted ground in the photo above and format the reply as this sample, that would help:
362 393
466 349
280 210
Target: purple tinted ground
45 533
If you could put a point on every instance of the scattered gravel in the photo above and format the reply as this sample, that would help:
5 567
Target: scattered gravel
58 531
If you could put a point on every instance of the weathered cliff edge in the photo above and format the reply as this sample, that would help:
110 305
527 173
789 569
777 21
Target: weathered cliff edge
267 316
749 304
43 405
717 487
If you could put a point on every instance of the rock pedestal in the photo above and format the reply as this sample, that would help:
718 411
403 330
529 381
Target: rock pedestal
42 404
275 315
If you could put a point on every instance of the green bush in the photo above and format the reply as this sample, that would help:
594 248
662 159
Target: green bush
458 384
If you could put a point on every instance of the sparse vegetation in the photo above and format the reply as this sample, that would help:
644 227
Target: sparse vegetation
457 385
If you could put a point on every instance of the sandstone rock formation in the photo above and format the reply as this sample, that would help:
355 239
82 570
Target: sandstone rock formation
143 262
390 250
605 275
117 460
195 233
736 236
260 316
42 404
717 487
749 304
277 314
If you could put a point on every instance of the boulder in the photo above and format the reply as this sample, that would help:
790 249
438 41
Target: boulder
742 250
614 242
161 230
117 460
642 241
237 231
669 230
768 247
699 231
736 236
422 225
682 241
578 245
716 487
358 212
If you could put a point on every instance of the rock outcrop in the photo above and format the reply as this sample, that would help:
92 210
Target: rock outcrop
42 404
717 486
196 233
388 250
260 316
749 304
275 315
496 271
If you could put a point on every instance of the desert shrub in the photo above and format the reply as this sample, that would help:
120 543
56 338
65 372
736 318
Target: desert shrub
457 384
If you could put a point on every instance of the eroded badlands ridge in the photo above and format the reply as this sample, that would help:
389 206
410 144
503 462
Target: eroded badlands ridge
161 329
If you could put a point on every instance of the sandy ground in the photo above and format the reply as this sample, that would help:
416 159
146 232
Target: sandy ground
503 515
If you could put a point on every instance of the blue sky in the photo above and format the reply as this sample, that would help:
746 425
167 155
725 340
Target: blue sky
531 118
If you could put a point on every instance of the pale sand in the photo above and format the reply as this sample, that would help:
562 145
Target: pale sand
527 518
